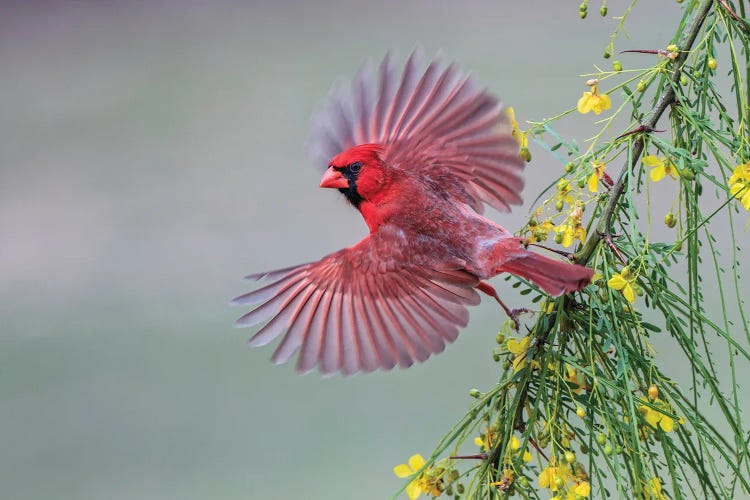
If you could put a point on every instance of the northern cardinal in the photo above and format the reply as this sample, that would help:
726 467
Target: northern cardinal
417 152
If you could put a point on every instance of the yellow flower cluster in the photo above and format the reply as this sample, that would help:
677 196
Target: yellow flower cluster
559 477
739 184
489 439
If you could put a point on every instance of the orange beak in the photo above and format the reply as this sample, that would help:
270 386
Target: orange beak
333 179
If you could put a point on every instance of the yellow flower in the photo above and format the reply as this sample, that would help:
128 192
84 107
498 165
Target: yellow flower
623 281
593 181
519 134
547 307
563 192
654 486
576 381
739 184
554 477
582 489
426 482
661 167
541 232
519 349
490 438
655 418
570 233
593 101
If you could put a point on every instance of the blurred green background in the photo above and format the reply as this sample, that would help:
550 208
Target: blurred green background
151 154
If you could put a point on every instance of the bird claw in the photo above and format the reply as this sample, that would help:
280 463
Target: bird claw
513 314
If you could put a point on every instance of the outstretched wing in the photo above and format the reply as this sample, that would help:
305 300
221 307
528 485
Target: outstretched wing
356 311
434 120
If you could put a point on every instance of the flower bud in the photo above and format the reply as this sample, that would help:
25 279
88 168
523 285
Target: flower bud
603 11
559 482
558 238
460 489
687 174
653 392
582 14
500 338
683 80
601 439
641 86
525 154
712 63
523 482
581 412
672 48
608 450
670 220
569 167
616 66
570 457
474 393
559 205
606 54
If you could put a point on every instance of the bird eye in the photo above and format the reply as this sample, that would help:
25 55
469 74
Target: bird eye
355 167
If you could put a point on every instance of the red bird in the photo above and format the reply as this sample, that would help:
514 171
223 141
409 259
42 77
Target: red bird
417 152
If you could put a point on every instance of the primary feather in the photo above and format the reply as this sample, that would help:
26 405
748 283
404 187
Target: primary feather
418 152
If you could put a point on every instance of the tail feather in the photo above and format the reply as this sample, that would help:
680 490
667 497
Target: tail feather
553 276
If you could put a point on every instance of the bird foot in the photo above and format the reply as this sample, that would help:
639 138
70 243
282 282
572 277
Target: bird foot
513 314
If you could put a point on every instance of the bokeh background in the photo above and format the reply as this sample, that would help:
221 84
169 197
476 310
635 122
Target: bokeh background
151 154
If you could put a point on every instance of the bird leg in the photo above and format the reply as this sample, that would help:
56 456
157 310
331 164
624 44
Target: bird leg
562 253
513 314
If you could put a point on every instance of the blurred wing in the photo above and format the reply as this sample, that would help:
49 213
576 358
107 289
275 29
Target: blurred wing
354 311
434 120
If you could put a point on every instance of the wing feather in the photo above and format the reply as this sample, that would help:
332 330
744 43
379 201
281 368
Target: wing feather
432 118
352 312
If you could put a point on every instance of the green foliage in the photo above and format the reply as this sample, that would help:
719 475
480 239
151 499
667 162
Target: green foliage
585 391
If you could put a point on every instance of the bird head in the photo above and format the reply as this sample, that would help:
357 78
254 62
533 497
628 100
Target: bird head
359 173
